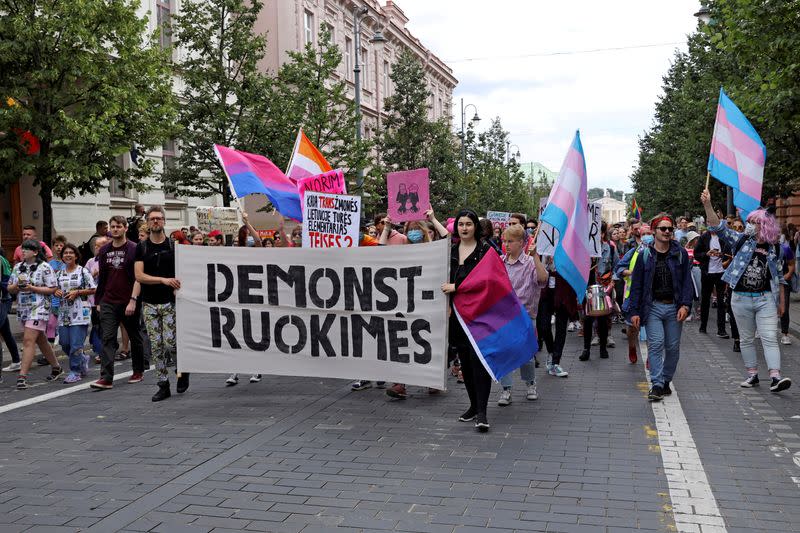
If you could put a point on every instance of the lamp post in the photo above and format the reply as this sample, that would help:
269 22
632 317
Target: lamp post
508 152
359 14
704 16
463 136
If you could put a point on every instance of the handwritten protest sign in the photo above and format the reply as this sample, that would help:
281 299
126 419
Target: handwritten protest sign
499 219
225 219
377 313
408 193
548 236
332 182
330 220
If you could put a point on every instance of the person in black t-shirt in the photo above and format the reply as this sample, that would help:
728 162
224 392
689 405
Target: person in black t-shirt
155 271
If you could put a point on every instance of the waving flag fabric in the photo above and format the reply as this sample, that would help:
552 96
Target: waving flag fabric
496 323
637 213
737 155
566 212
306 160
255 174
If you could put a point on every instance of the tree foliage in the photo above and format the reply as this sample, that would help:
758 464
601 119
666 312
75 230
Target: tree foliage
752 49
87 81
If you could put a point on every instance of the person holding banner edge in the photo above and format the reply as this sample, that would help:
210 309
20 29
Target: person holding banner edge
464 257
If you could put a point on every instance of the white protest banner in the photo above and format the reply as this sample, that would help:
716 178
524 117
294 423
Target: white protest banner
225 219
548 236
499 219
330 220
374 313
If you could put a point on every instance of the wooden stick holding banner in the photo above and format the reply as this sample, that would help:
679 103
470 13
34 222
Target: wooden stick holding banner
708 178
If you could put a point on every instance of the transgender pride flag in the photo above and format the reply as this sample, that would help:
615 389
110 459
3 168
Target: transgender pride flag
737 155
306 160
567 212
496 323
255 174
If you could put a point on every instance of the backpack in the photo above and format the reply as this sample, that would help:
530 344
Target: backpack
86 251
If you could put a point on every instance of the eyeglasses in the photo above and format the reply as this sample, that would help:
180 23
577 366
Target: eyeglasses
155 219
665 229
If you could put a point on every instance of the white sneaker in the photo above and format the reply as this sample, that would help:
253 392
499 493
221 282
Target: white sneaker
13 367
571 327
505 398
610 342
255 378
786 340
232 380
532 394
595 341
549 364
557 371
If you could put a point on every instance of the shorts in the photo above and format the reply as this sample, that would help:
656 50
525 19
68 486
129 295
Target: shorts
38 325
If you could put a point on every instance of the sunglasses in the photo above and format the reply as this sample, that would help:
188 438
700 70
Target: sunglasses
665 229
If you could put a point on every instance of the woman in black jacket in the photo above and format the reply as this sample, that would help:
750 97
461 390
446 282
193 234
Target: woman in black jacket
463 258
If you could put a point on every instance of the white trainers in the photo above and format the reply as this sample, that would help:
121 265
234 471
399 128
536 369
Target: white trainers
13 367
532 393
557 371
232 380
255 378
505 398
786 340
595 340
571 327
610 342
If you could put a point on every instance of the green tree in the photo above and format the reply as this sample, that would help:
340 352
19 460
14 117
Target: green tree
308 93
89 83
411 140
223 95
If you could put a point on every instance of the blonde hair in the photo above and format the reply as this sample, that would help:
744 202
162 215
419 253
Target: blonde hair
515 232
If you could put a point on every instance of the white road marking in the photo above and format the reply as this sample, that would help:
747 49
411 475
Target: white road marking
58 393
693 504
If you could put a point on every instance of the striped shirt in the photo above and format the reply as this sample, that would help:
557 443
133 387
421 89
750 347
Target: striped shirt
522 274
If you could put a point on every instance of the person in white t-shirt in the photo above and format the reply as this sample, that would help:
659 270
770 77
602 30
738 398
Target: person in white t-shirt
75 284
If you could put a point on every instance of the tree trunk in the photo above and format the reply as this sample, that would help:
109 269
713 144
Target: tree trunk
46 194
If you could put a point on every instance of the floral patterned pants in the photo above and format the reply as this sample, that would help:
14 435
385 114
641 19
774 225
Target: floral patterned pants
159 320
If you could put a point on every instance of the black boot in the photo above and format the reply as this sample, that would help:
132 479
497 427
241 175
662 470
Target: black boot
163 391
603 352
584 356
183 383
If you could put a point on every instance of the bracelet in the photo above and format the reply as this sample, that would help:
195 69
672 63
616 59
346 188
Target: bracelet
134 298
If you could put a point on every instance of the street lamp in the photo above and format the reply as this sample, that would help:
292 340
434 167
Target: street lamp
359 14
463 136
704 15
508 152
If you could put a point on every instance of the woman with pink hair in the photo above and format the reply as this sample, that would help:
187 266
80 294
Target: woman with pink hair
758 297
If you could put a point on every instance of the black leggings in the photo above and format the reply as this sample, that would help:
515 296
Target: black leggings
554 345
477 380
602 330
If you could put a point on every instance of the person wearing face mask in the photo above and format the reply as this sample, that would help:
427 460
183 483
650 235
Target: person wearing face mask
642 237
758 297
661 298
711 252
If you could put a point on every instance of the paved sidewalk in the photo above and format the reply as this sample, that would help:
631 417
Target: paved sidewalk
303 454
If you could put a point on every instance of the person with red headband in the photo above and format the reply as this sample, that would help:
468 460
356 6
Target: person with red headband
661 298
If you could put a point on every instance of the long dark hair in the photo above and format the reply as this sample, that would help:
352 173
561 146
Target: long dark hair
75 250
470 214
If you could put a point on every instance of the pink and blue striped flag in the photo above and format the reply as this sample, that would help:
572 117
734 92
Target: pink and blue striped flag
495 321
737 155
255 174
566 211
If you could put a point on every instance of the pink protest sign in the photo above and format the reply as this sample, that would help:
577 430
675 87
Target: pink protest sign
408 194
330 182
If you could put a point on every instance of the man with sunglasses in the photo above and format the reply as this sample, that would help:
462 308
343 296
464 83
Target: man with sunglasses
660 299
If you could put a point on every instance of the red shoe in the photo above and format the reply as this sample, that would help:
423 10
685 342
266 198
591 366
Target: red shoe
136 377
632 355
398 390
102 384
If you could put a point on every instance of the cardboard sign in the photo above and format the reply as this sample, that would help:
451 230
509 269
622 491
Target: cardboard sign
332 182
499 219
408 194
225 219
548 236
330 220
375 312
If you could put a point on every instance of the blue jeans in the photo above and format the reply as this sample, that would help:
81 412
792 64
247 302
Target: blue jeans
663 342
71 339
526 373
757 312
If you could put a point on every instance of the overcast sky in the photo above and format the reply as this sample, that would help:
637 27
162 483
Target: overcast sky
541 101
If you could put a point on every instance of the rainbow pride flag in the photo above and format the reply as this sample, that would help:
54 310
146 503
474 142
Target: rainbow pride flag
306 160
495 321
636 210
255 174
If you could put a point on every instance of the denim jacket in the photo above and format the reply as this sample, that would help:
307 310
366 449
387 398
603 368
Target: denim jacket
608 258
739 264
641 298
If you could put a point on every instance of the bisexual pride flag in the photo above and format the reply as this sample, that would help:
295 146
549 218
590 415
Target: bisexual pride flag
495 321
255 174
566 211
737 155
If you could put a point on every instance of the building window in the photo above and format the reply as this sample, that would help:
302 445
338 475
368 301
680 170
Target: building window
441 108
386 79
163 14
168 161
308 26
365 67
115 188
348 57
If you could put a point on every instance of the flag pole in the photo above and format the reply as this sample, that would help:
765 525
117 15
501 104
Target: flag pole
708 178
